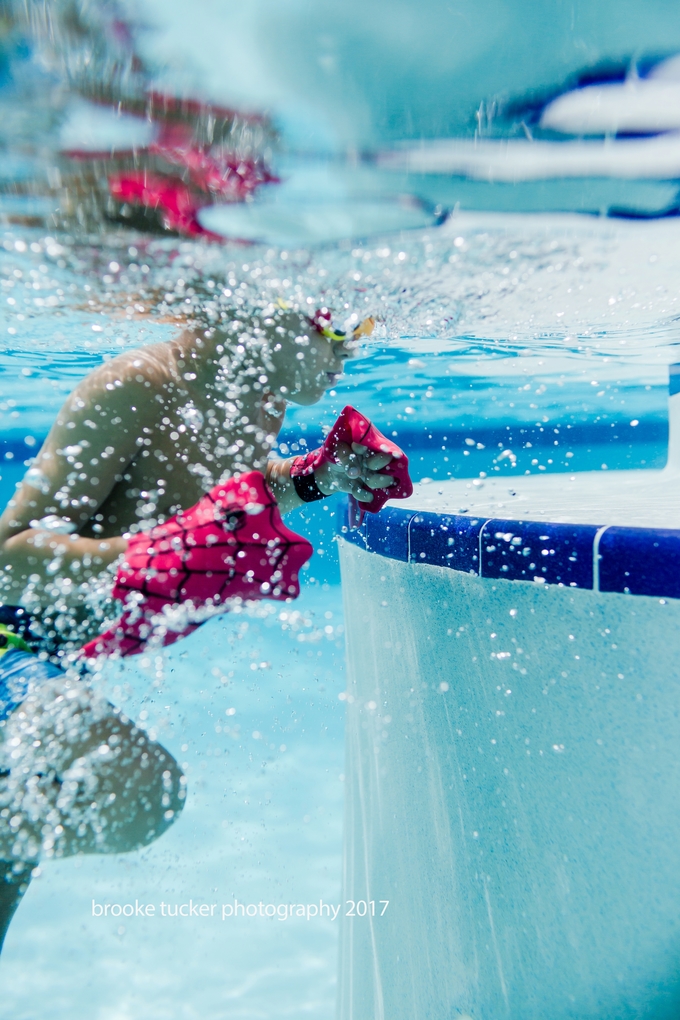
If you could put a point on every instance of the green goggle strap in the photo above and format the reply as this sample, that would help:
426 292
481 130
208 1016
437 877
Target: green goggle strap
335 334
10 640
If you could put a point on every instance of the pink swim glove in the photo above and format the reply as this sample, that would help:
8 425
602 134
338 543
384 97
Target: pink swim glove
353 427
231 543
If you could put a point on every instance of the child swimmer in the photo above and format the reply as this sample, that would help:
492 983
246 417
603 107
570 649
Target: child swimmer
139 442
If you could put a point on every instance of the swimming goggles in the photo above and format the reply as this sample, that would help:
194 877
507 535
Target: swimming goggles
9 641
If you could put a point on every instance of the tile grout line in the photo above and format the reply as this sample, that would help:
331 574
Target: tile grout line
479 550
595 548
596 556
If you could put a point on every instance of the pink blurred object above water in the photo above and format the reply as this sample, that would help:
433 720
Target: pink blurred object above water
192 162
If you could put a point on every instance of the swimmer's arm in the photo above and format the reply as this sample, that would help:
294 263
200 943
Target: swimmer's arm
32 558
84 456
355 472
277 474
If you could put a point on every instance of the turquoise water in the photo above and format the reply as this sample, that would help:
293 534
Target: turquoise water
264 824
513 338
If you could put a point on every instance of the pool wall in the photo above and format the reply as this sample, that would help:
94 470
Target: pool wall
512 771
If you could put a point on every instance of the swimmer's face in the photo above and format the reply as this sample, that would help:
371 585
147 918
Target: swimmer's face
306 364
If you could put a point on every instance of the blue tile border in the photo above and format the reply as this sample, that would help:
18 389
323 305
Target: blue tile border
526 550
640 561
631 561
385 533
445 540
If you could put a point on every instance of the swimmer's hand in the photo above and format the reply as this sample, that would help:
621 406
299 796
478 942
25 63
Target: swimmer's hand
355 470
358 459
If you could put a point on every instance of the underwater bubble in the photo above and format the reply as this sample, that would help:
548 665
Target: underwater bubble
191 416
35 478
56 525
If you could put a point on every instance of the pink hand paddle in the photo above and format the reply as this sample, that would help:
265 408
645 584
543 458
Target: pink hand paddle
232 543
354 427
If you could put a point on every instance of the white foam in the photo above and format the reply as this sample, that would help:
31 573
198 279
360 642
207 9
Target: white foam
514 160
311 223
92 128
638 105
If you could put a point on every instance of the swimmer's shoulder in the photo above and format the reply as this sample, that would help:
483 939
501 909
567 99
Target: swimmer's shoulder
135 376
149 368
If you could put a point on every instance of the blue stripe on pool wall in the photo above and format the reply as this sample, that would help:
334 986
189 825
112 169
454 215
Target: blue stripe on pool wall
385 533
445 540
526 550
673 380
640 561
631 561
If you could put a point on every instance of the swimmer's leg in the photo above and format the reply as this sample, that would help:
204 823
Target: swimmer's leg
76 776
121 790
14 879
82 777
